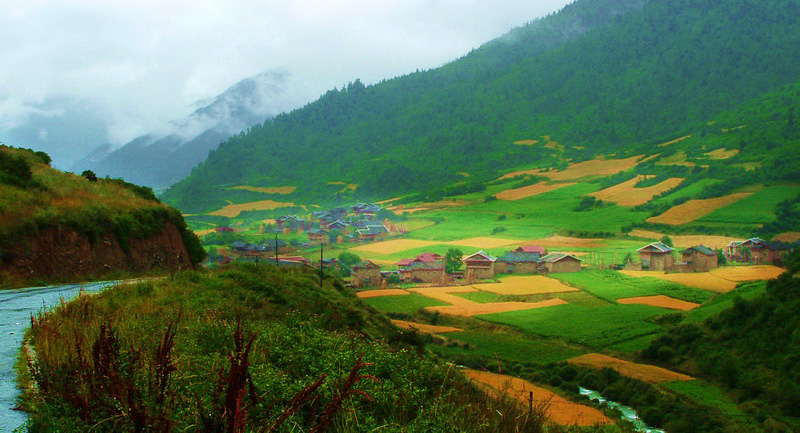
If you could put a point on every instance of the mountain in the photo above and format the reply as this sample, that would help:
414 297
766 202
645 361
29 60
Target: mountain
600 76
57 226
162 158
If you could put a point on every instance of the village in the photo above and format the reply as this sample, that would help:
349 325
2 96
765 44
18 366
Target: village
364 223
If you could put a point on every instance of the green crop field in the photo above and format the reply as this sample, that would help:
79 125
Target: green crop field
481 297
689 191
724 301
508 347
611 285
407 304
596 327
705 394
756 209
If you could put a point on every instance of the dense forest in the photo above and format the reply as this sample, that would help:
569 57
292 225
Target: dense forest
599 77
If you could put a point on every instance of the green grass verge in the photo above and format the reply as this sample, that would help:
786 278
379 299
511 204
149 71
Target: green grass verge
705 394
508 347
408 304
725 301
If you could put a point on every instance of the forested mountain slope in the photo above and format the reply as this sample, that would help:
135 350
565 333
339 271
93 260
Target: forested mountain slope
599 77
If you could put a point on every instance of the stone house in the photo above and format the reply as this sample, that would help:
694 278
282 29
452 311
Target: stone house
479 266
656 257
366 274
699 259
560 262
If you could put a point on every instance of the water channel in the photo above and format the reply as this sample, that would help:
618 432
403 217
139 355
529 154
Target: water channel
627 412
16 307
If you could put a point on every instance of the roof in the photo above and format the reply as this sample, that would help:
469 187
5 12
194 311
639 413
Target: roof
754 241
366 264
429 257
702 249
290 217
531 249
480 254
658 247
316 231
557 257
373 230
519 257
405 262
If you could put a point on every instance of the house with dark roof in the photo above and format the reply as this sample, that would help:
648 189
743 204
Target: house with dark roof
239 247
372 232
533 249
318 236
479 266
699 258
559 262
770 253
656 257
366 274
338 225
740 251
290 223
364 208
518 262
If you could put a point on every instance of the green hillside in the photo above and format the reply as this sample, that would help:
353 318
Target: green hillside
599 82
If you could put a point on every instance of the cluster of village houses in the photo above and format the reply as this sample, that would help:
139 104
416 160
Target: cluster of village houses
430 267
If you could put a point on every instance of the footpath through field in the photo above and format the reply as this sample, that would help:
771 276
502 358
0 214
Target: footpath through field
557 409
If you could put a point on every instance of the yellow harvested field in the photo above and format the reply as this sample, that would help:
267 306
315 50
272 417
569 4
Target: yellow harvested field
463 307
787 237
429 206
686 241
594 167
526 142
269 190
660 301
695 209
484 242
643 372
626 194
337 182
748 273
496 307
233 210
392 246
677 140
203 232
520 173
566 241
381 292
557 409
722 153
526 285
423 328
700 280
529 191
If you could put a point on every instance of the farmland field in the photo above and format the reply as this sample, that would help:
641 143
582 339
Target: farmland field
695 209
558 409
385 292
660 301
756 209
724 301
597 327
686 241
612 285
594 167
705 394
484 242
626 194
233 210
525 285
270 190
509 347
700 280
425 328
722 153
530 191
643 372
480 297
392 246
401 304
747 273
468 309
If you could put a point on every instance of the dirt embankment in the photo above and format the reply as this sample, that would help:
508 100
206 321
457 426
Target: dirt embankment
61 254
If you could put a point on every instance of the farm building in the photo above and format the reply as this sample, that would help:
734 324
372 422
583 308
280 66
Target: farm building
224 229
656 257
294 261
338 225
318 236
426 268
372 232
771 253
518 262
532 249
479 266
366 274
699 259
739 251
560 262
291 222
366 208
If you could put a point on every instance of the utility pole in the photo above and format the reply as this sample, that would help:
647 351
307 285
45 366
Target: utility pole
530 402
276 249
320 265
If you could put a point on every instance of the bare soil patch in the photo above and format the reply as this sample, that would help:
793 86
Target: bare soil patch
233 210
529 191
484 242
496 307
695 209
268 190
660 301
424 328
566 241
381 292
677 140
626 193
700 280
558 409
392 246
643 372
520 173
526 285
787 237
526 142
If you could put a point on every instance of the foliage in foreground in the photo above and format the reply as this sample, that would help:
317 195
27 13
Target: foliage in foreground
243 349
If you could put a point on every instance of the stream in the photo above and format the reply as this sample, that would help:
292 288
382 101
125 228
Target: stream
627 412
16 307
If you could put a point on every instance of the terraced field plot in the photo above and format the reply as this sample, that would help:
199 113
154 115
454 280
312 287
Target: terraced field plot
756 209
613 285
643 372
530 191
695 209
722 153
525 285
268 190
564 242
700 280
558 409
748 273
660 301
392 246
425 328
484 242
408 304
233 210
594 167
509 347
626 193
464 307
384 292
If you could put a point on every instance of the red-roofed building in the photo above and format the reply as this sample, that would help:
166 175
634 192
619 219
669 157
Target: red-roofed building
426 268
532 249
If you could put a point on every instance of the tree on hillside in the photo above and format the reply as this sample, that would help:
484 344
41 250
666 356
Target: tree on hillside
666 240
89 175
452 260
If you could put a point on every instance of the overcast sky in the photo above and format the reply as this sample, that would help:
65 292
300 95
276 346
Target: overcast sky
131 66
